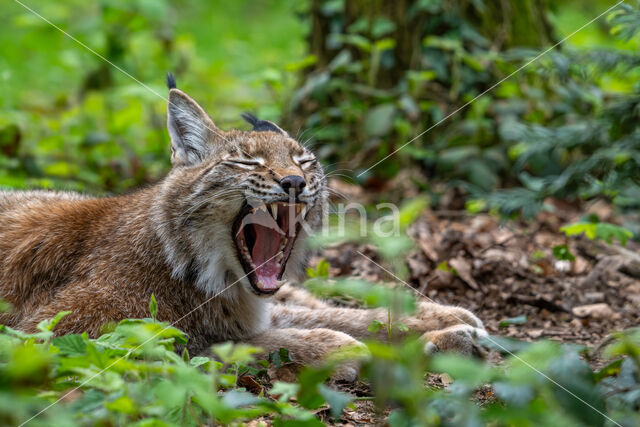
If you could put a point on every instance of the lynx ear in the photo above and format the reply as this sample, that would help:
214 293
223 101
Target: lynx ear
191 130
262 125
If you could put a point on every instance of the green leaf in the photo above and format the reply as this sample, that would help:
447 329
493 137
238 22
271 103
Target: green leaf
562 253
475 206
153 306
49 324
123 404
411 210
374 295
230 352
375 326
518 320
608 232
150 422
278 358
200 361
589 229
379 120
309 379
321 271
5 307
71 345
575 379
90 401
401 327
237 398
285 390
444 266
471 371
611 369
599 231
336 399
514 394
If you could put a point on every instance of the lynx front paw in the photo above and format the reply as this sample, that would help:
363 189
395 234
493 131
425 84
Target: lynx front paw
460 339
432 316
346 371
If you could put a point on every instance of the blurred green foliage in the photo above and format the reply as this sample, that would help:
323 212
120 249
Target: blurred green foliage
134 376
564 126
356 80
69 120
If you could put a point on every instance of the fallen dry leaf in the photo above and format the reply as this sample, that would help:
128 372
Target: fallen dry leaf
596 311
463 268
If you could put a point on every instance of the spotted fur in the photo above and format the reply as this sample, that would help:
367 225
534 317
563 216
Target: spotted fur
102 258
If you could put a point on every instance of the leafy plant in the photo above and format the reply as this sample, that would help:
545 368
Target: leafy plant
598 231
564 126
562 253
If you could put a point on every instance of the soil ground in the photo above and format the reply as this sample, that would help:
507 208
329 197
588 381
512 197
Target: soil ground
506 270
503 270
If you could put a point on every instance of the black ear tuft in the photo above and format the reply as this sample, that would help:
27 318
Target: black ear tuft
171 81
261 125
253 120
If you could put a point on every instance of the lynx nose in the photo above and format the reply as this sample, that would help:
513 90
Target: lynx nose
293 183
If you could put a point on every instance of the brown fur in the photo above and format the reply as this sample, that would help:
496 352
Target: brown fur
103 258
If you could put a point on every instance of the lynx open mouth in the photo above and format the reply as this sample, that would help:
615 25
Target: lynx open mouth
264 238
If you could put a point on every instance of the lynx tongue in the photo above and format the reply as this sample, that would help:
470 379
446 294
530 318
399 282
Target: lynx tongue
266 256
264 239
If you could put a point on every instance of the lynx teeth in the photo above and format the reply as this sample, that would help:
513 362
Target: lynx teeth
274 210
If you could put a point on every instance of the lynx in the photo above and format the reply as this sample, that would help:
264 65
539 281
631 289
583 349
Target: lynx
213 241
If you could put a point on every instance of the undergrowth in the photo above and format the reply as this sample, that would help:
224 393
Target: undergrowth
133 375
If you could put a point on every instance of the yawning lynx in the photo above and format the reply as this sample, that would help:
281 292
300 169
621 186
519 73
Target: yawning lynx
212 241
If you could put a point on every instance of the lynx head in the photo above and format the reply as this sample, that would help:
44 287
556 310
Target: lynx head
236 205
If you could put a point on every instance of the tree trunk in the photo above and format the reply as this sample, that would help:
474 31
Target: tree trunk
506 23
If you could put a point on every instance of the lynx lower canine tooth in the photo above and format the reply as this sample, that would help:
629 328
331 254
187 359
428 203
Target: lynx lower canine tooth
263 208
274 210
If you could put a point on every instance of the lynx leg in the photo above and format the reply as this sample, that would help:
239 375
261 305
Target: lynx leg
355 322
444 328
309 346
293 295
458 338
432 317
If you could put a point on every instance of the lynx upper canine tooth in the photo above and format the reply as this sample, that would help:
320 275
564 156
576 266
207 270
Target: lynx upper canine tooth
304 211
274 210
298 208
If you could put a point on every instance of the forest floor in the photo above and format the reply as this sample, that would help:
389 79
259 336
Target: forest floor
507 270
504 271
507 274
